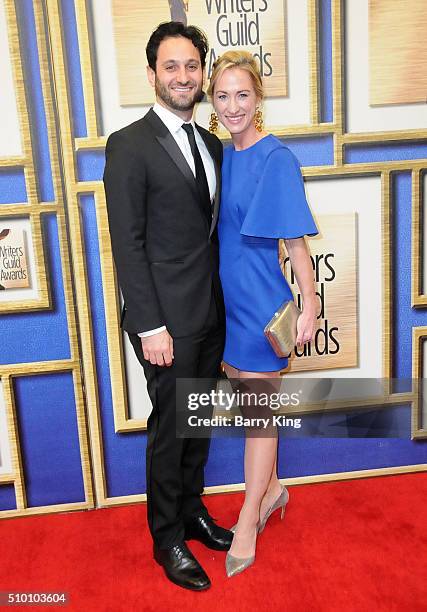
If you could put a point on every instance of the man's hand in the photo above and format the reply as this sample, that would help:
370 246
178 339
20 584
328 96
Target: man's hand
158 348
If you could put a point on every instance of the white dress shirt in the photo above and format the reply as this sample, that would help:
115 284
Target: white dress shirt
174 125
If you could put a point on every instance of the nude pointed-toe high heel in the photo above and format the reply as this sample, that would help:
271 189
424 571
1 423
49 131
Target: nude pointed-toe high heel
280 502
236 565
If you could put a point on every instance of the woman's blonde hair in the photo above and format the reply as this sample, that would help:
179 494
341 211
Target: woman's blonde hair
237 59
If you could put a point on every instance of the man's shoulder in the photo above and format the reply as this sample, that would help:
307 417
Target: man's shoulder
130 135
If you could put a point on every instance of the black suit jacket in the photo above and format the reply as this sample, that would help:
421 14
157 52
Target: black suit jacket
165 248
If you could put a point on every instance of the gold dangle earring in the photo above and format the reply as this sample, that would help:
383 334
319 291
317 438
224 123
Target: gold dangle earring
213 122
259 120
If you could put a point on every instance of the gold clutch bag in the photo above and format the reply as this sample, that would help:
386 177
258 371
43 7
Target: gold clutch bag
281 331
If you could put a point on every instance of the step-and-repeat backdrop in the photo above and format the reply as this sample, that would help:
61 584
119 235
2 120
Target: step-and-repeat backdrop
346 84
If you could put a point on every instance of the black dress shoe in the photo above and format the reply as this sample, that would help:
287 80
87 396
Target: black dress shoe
204 530
182 568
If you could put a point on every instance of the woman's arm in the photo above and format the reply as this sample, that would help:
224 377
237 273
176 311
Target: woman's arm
301 265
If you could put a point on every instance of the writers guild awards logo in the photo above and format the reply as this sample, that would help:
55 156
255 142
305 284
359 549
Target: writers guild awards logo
13 262
178 10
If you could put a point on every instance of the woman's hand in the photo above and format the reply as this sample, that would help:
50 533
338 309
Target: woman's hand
306 324
303 269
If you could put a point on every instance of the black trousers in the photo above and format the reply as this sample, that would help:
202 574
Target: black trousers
175 466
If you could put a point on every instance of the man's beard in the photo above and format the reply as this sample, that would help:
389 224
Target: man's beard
187 104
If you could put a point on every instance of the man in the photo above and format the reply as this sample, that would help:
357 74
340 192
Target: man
162 182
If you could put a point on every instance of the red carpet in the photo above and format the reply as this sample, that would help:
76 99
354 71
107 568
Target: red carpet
357 545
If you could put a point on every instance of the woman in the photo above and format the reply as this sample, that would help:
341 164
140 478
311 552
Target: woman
263 200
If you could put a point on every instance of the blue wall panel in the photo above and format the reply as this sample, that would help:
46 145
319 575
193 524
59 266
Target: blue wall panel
73 64
7 497
47 418
29 53
12 186
378 153
90 165
312 151
299 457
325 54
404 316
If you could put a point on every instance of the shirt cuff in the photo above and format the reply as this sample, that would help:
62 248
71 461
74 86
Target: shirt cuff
151 332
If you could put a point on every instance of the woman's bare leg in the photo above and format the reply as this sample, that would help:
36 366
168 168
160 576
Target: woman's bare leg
231 371
260 478
273 490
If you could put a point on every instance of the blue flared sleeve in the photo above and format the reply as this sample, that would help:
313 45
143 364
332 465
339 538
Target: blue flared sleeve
279 208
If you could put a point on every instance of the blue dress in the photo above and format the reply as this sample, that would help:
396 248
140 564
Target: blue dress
262 200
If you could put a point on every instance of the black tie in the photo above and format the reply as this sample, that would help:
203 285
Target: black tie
201 180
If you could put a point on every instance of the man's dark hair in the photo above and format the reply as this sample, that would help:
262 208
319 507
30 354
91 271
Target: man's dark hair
170 29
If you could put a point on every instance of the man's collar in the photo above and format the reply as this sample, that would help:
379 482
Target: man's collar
172 121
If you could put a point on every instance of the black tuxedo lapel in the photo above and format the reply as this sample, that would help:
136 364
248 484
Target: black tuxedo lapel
168 142
209 147
165 138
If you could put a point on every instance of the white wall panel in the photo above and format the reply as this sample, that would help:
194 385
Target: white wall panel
31 292
10 139
138 399
424 234
361 117
363 196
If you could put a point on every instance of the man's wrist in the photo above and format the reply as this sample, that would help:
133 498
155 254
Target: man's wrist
151 332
